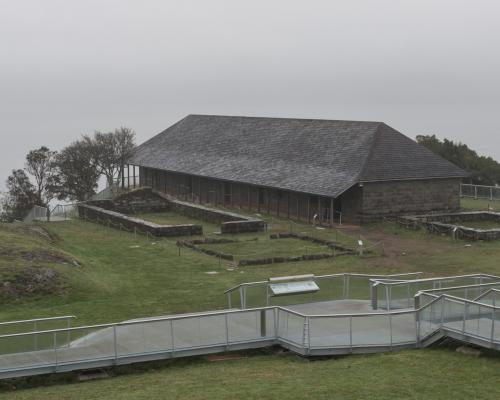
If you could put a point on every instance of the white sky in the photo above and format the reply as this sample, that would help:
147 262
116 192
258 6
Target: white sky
72 67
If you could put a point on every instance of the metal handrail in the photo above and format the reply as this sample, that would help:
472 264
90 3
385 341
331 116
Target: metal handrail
373 276
26 321
476 285
215 313
439 279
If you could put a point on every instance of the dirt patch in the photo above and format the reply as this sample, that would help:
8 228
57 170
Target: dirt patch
397 249
39 256
17 283
41 232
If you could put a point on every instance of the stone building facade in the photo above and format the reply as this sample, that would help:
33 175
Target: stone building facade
361 203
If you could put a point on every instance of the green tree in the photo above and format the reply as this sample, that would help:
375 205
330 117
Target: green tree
78 171
41 165
483 170
20 197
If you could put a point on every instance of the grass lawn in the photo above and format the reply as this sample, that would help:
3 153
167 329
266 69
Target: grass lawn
171 218
251 249
480 224
411 374
121 276
467 203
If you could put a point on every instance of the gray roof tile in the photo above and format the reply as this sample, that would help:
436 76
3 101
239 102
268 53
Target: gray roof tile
305 155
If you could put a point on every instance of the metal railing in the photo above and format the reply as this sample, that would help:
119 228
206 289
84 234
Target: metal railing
72 348
37 213
480 191
63 212
390 295
341 286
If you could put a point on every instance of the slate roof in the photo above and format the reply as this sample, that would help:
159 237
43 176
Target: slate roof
320 157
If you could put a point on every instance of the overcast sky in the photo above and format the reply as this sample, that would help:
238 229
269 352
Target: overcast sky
72 67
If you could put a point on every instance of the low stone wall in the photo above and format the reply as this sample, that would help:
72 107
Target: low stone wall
147 200
116 219
330 244
193 245
449 224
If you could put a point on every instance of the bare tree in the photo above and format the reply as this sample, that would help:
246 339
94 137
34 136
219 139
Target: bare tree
112 151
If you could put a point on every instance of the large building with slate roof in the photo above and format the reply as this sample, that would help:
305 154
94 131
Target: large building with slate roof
302 169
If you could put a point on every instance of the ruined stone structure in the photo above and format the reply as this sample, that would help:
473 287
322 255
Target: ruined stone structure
308 170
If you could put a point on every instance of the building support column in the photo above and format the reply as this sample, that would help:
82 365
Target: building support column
331 212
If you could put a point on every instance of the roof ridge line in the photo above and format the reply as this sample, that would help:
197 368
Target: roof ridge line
370 153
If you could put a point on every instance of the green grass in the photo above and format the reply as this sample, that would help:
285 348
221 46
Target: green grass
411 374
171 218
467 203
252 249
122 277
480 224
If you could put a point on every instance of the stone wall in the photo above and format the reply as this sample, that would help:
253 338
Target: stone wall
122 221
408 197
147 200
369 202
450 224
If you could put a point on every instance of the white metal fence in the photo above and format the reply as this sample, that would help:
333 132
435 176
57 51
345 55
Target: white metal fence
480 191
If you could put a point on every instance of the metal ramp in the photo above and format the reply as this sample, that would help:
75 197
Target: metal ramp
34 349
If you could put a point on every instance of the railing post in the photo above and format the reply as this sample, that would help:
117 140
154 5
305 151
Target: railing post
374 295
172 336
387 298
35 338
115 344
417 326
276 322
463 322
308 335
229 300
350 333
227 331
390 330
55 350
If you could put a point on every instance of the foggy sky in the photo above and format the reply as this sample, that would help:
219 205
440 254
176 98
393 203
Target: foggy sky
71 67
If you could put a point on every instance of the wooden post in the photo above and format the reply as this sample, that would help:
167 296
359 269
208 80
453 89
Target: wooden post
288 205
308 209
331 212
319 210
268 201
278 203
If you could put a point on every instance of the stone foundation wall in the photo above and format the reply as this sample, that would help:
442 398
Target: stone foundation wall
148 200
381 199
449 224
122 221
